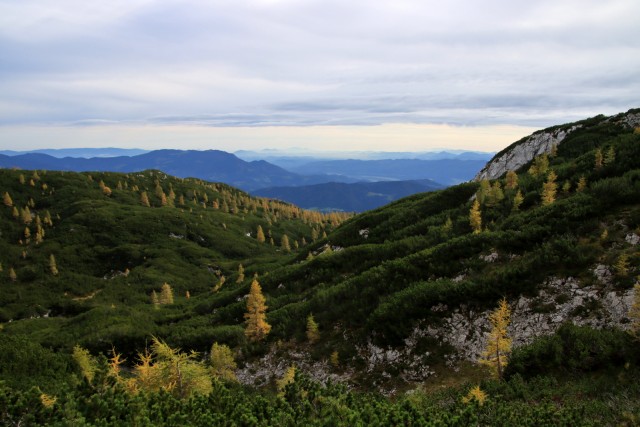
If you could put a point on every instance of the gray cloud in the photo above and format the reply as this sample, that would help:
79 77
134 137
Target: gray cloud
287 62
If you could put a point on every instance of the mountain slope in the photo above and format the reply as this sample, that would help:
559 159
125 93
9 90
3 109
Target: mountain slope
356 197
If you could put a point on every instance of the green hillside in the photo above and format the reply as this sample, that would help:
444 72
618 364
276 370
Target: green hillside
378 284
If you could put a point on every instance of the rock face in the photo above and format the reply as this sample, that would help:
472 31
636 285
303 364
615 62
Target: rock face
539 143
523 153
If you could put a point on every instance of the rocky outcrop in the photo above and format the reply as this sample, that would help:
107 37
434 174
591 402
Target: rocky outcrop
523 153
462 333
542 142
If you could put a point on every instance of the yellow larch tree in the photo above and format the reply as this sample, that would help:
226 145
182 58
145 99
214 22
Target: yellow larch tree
517 201
498 348
53 267
511 180
260 235
582 184
223 365
256 318
144 199
240 278
166 294
598 159
313 334
549 189
7 199
475 218
284 243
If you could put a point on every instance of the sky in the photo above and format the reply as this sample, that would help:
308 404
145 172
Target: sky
336 75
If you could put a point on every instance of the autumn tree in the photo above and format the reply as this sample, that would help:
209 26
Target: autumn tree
549 189
610 156
622 265
154 299
517 201
222 363
483 191
166 294
171 370
144 199
288 378
475 218
498 348
313 334
260 235
257 327
12 274
598 159
540 166
511 180
7 199
240 278
476 394
52 265
86 363
582 184
284 243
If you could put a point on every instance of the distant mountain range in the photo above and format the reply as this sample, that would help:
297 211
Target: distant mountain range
210 165
378 181
357 197
80 152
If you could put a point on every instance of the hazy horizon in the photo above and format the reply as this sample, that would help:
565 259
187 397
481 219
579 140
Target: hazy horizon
397 76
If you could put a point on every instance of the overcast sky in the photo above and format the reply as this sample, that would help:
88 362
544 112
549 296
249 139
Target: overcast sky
393 75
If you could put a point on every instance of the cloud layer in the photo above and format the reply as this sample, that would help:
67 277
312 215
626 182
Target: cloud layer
308 62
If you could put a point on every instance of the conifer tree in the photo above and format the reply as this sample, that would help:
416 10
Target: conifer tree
12 274
610 156
598 159
284 243
582 184
260 235
475 218
21 179
25 215
15 213
511 180
52 265
240 278
517 201
7 199
313 334
144 199
334 359
483 191
288 378
496 195
154 299
476 394
549 189
87 364
257 327
166 294
566 187
223 365
622 265
498 348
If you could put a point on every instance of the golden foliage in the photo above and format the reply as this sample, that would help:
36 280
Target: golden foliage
498 348
257 327
288 378
223 364
511 180
313 334
47 400
549 189
87 364
475 218
476 394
